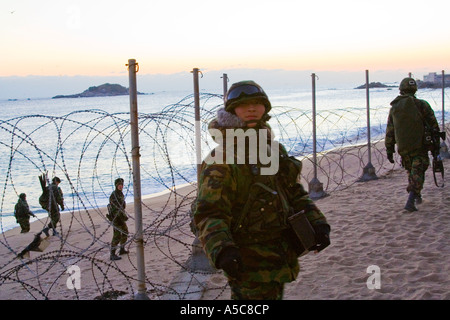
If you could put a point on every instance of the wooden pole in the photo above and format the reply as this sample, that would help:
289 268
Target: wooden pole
225 85
443 94
141 290
368 170
443 152
198 146
315 188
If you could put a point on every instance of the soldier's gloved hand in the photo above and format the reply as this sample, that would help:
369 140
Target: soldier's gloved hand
230 261
322 236
390 157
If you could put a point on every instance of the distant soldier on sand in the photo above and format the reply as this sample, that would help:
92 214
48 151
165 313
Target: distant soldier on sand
118 217
22 213
405 127
52 204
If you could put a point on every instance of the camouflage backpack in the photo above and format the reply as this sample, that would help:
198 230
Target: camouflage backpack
408 124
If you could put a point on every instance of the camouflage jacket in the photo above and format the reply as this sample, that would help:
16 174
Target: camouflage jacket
427 114
22 210
237 206
56 197
118 204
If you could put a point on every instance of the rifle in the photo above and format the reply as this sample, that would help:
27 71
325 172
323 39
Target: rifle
431 141
437 166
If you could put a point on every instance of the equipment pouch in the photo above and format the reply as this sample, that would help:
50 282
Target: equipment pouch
109 215
304 236
438 166
428 139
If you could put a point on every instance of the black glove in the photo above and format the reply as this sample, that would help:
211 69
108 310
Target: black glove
322 236
230 261
390 157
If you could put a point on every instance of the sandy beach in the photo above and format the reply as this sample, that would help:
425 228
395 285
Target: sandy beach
378 250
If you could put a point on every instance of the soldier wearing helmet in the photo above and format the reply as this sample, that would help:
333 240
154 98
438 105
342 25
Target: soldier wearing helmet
55 202
405 128
240 215
22 213
119 218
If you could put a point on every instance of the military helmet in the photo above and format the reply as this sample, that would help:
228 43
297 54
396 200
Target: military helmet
242 91
408 85
118 181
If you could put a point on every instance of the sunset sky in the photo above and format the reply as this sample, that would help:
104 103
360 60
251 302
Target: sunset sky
96 38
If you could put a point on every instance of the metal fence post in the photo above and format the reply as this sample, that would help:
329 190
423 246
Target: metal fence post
315 188
443 147
198 149
198 261
369 170
141 294
225 85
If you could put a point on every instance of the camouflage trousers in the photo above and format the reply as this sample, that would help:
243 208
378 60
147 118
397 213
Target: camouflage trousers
24 224
120 233
246 290
54 219
416 166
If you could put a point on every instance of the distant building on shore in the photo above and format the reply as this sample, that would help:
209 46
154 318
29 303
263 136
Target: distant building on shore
436 78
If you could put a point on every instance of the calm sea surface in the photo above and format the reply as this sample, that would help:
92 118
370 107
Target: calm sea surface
86 141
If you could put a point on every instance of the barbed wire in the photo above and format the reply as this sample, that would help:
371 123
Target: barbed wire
91 148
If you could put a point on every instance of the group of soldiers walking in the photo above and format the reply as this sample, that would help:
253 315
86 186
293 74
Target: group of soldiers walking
52 200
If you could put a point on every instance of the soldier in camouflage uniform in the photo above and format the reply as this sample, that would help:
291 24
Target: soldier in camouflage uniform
241 215
56 200
22 213
402 130
119 218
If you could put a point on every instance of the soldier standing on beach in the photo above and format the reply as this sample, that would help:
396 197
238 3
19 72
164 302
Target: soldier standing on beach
405 127
118 218
241 214
55 201
22 213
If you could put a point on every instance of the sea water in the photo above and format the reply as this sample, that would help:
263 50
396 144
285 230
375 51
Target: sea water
86 141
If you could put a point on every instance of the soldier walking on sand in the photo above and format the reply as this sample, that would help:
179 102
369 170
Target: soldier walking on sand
405 127
118 217
22 213
55 201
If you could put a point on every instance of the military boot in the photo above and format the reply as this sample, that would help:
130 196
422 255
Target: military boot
123 251
410 203
418 199
45 230
113 255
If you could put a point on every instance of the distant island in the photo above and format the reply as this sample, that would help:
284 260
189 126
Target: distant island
104 90
420 85
375 85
